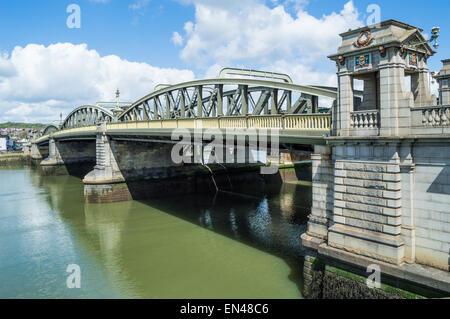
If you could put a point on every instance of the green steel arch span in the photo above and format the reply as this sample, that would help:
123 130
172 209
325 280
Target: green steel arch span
88 115
226 97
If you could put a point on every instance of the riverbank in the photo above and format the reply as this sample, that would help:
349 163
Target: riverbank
8 159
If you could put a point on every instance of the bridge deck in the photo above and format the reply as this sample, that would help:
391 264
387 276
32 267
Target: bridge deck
304 128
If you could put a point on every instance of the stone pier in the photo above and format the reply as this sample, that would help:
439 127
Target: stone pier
131 168
66 157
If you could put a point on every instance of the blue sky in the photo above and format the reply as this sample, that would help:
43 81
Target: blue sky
47 68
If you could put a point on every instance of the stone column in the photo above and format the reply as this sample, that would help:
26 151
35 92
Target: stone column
420 89
391 90
54 164
106 170
35 153
408 232
322 188
345 104
105 182
54 157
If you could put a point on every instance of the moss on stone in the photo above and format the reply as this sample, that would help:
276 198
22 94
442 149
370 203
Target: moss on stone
384 287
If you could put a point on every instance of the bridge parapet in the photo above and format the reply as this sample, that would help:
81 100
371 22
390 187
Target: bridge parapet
314 125
431 119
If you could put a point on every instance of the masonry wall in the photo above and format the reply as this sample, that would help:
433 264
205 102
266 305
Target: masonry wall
367 201
392 201
141 160
432 203
77 151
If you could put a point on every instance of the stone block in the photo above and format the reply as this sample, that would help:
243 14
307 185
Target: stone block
340 173
394 221
371 217
339 219
428 243
338 165
366 200
367 243
392 230
393 212
364 191
339 203
441 236
391 177
394 186
363 207
392 194
394 203
365 175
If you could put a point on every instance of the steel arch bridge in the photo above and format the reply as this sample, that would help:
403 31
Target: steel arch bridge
87 115
273 102
225 97
50 129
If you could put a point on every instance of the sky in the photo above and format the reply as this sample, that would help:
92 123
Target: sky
48 68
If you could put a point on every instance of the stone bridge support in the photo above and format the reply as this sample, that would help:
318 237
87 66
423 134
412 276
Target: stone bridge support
68 157
36 155
381 193
128 168
322 196
106 170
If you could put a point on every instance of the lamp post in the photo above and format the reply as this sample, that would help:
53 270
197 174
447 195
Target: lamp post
434 36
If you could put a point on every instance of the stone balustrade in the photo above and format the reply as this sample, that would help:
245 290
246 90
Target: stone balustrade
438 115
364 119
296 122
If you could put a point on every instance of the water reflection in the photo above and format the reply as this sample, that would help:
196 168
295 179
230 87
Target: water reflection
223 246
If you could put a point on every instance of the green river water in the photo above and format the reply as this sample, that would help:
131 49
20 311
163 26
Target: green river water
197 246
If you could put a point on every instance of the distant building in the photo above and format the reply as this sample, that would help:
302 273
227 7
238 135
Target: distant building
6 143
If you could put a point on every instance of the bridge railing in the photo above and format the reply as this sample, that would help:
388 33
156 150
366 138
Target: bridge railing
438 115
430 119
367 119
299 122
306 122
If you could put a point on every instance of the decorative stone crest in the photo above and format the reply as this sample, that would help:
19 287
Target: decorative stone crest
341 60
365 39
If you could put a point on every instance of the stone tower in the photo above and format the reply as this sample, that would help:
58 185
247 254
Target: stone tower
367 198
381 58
443 78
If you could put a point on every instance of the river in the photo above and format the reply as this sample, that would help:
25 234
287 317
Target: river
198 246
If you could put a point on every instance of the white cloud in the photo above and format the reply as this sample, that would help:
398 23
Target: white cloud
177 39
139 4
295 4
6 66
39 82
254 35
